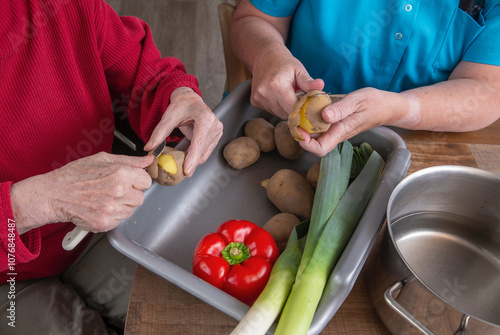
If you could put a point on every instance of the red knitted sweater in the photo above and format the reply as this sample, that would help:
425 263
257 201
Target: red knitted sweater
63 64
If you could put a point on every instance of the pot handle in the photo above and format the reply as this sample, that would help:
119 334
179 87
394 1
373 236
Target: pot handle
391 301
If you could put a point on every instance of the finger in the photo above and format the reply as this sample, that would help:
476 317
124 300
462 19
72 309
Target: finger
161 131
122 212
106 220
122 180
187 131
126 177
277 98
133 198
339 110
322 145
195 157
338 132
280 110
112 224
306 83
288 100
202 145
141 180
134 161
192 160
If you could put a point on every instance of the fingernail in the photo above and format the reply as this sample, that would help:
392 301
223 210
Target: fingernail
188 170
328 114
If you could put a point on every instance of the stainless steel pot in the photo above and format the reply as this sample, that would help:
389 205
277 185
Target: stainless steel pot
436 266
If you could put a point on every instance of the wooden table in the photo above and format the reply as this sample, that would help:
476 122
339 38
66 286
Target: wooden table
158 307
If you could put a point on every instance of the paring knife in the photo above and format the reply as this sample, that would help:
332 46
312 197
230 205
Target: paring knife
74 237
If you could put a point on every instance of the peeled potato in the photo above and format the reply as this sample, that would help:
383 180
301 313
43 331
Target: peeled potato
167 169
306 114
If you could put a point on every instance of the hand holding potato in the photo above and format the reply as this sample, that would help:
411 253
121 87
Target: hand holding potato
356 112
275 80
193 117
95 193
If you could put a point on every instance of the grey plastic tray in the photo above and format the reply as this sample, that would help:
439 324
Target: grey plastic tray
162 233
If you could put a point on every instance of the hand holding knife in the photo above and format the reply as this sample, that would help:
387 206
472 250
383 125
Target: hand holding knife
74 237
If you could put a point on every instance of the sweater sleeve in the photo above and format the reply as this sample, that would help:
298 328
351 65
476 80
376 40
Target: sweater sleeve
137 75
14 249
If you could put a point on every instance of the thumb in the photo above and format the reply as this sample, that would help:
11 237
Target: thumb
306 83
338 110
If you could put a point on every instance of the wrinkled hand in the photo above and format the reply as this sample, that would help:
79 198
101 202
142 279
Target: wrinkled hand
276 77
358 111
193 117
95 193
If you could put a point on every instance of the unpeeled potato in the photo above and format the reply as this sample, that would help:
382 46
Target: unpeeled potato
280 227
290 192
241 152
306 114
261 131
312 175
285 143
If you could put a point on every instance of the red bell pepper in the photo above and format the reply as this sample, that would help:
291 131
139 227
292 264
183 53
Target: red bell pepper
237 258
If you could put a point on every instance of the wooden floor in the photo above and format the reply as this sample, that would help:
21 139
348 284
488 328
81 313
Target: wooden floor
188 30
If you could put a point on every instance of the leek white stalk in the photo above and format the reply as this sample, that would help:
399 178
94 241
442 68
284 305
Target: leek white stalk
308 288
334 174
270 302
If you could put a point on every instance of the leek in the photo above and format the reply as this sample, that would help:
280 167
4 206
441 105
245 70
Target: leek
360 156
270 302
334 175
308 288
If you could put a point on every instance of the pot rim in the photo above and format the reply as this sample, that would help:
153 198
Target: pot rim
409 179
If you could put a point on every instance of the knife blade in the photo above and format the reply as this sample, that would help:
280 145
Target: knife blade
159 149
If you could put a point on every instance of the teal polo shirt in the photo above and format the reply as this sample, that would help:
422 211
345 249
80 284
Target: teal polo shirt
390 45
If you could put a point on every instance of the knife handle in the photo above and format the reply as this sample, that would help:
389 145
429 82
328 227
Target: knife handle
73 238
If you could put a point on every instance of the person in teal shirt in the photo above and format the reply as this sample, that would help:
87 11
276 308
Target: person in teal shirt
411 64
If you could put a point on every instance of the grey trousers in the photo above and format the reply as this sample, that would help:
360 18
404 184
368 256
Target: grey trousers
92 294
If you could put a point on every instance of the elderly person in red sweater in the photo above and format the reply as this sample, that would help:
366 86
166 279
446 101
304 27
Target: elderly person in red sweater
62 65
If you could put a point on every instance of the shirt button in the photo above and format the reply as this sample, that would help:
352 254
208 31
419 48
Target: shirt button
398 36
408 8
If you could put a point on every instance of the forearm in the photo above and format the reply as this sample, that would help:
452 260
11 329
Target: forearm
30 206
254 34
252 39
455 105
25 248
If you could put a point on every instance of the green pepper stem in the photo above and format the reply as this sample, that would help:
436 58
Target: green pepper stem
236 253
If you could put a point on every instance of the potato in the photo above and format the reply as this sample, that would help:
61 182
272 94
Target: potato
287 146
280 227
312 175
167 169
241 152
306 114
262 132
290 192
